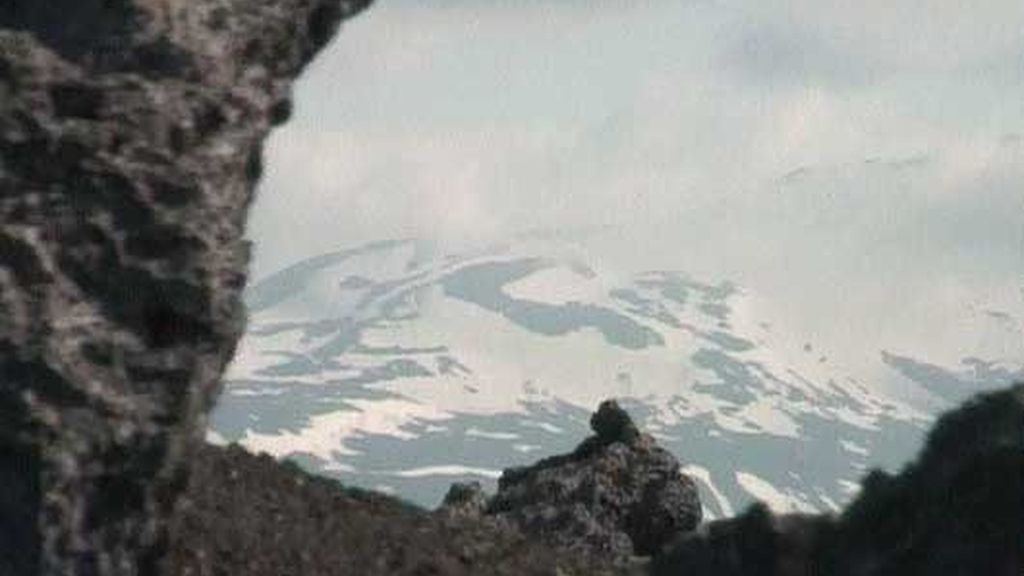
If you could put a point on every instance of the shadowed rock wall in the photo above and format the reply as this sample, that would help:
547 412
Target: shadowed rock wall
130 142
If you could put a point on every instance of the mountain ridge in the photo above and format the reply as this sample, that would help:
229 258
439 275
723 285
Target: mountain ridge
445 361
571 515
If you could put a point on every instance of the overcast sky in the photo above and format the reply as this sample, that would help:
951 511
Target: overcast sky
862 164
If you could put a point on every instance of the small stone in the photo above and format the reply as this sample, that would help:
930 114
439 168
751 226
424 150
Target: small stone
612 424
465 499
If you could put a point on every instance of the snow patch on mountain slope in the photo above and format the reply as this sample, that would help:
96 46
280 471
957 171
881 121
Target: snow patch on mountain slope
777 499
559 285
325 437
721 503
447 470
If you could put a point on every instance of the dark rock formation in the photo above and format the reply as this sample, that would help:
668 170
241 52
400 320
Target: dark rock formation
618 495
612 424
586 513
959 509
130 141
250 515
465 499
755 543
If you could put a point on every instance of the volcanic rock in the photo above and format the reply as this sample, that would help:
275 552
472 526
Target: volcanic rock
250 515
612 424
131 134
618 495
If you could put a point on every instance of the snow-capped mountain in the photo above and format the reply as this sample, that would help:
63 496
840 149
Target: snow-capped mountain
398 367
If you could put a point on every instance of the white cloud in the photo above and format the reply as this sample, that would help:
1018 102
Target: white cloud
843 158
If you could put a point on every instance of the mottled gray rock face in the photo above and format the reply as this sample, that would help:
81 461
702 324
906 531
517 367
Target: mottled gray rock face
130 142
616 496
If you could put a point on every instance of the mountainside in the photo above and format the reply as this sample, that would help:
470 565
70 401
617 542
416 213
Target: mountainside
617 504
395 367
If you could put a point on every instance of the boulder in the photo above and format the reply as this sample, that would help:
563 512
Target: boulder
618 495
464 499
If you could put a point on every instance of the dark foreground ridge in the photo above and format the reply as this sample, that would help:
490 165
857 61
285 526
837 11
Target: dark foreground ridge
250 515
957 510
589 512
618 505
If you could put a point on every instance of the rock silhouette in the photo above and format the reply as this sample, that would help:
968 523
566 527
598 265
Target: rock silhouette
958 509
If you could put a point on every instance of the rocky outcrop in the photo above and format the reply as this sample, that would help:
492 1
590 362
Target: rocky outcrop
617 496
958 509
130 141
591 512
250 515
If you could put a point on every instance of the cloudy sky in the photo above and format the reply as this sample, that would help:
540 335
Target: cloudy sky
859 164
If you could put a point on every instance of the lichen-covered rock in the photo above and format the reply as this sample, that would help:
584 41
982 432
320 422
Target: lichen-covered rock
616 496
130 142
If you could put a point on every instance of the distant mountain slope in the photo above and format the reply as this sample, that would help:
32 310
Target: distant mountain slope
395 367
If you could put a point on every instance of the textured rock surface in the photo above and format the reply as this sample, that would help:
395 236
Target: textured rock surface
617 495
465 499
959 509
130 141
249 515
